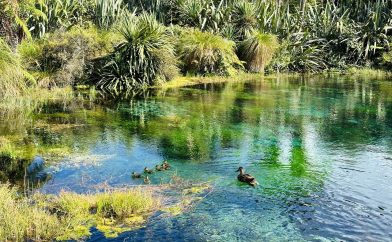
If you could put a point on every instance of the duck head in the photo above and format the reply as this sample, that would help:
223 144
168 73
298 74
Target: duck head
240 169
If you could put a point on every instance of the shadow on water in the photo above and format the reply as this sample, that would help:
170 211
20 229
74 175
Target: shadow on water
319 146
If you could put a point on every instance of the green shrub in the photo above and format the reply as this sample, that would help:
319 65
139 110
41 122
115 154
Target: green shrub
300 53
66 56
244 18
144 59
257 50
13 78
207 53
387 59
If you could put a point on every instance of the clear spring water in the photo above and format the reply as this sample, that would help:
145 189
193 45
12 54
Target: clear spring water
320 147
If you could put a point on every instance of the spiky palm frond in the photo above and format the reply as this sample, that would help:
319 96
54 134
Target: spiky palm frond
204 52
257 50
142 59
244 18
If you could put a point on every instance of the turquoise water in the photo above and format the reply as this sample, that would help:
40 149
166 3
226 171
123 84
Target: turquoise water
320 147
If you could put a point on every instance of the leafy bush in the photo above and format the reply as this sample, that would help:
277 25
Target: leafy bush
13 78
65 56
244 18
300 53
206 53
387 59
257 50
145 58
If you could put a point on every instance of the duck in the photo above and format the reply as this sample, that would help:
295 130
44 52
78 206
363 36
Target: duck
246 177
165 165
136 175
148 171
146 180
159 168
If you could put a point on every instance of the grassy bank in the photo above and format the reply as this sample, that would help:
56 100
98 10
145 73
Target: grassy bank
197 80
122 45
69 216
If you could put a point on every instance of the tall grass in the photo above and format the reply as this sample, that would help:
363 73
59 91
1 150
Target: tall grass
69 216
206 53
13 78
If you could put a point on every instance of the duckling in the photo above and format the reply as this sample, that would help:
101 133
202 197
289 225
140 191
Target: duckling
136 175
246 177
165 165
159 168
148 171
146 180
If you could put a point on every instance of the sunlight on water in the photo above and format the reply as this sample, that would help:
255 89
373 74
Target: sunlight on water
321 149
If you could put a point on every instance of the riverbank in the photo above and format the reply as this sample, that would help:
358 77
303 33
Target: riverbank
198 80
70 216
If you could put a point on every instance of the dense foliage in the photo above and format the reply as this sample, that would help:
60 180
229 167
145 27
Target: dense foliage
284 35
205 53
146 56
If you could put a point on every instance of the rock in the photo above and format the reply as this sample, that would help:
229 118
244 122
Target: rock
36 164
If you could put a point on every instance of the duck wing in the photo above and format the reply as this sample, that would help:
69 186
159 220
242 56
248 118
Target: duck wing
248 177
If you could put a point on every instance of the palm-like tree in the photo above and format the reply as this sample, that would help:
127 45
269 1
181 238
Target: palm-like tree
257 50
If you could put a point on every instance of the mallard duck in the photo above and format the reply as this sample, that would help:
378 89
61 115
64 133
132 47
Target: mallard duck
159 168
147 180
246 177
148 171
165 165
136 175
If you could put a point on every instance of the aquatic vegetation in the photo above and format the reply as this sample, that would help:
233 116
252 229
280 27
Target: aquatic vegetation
257 50
144 59
207 53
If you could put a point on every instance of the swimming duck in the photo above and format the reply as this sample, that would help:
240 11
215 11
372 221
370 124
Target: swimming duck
148 171
136 175
147 180
246 177
159 168
165 165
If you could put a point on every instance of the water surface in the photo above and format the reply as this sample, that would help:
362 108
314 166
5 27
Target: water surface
320 147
